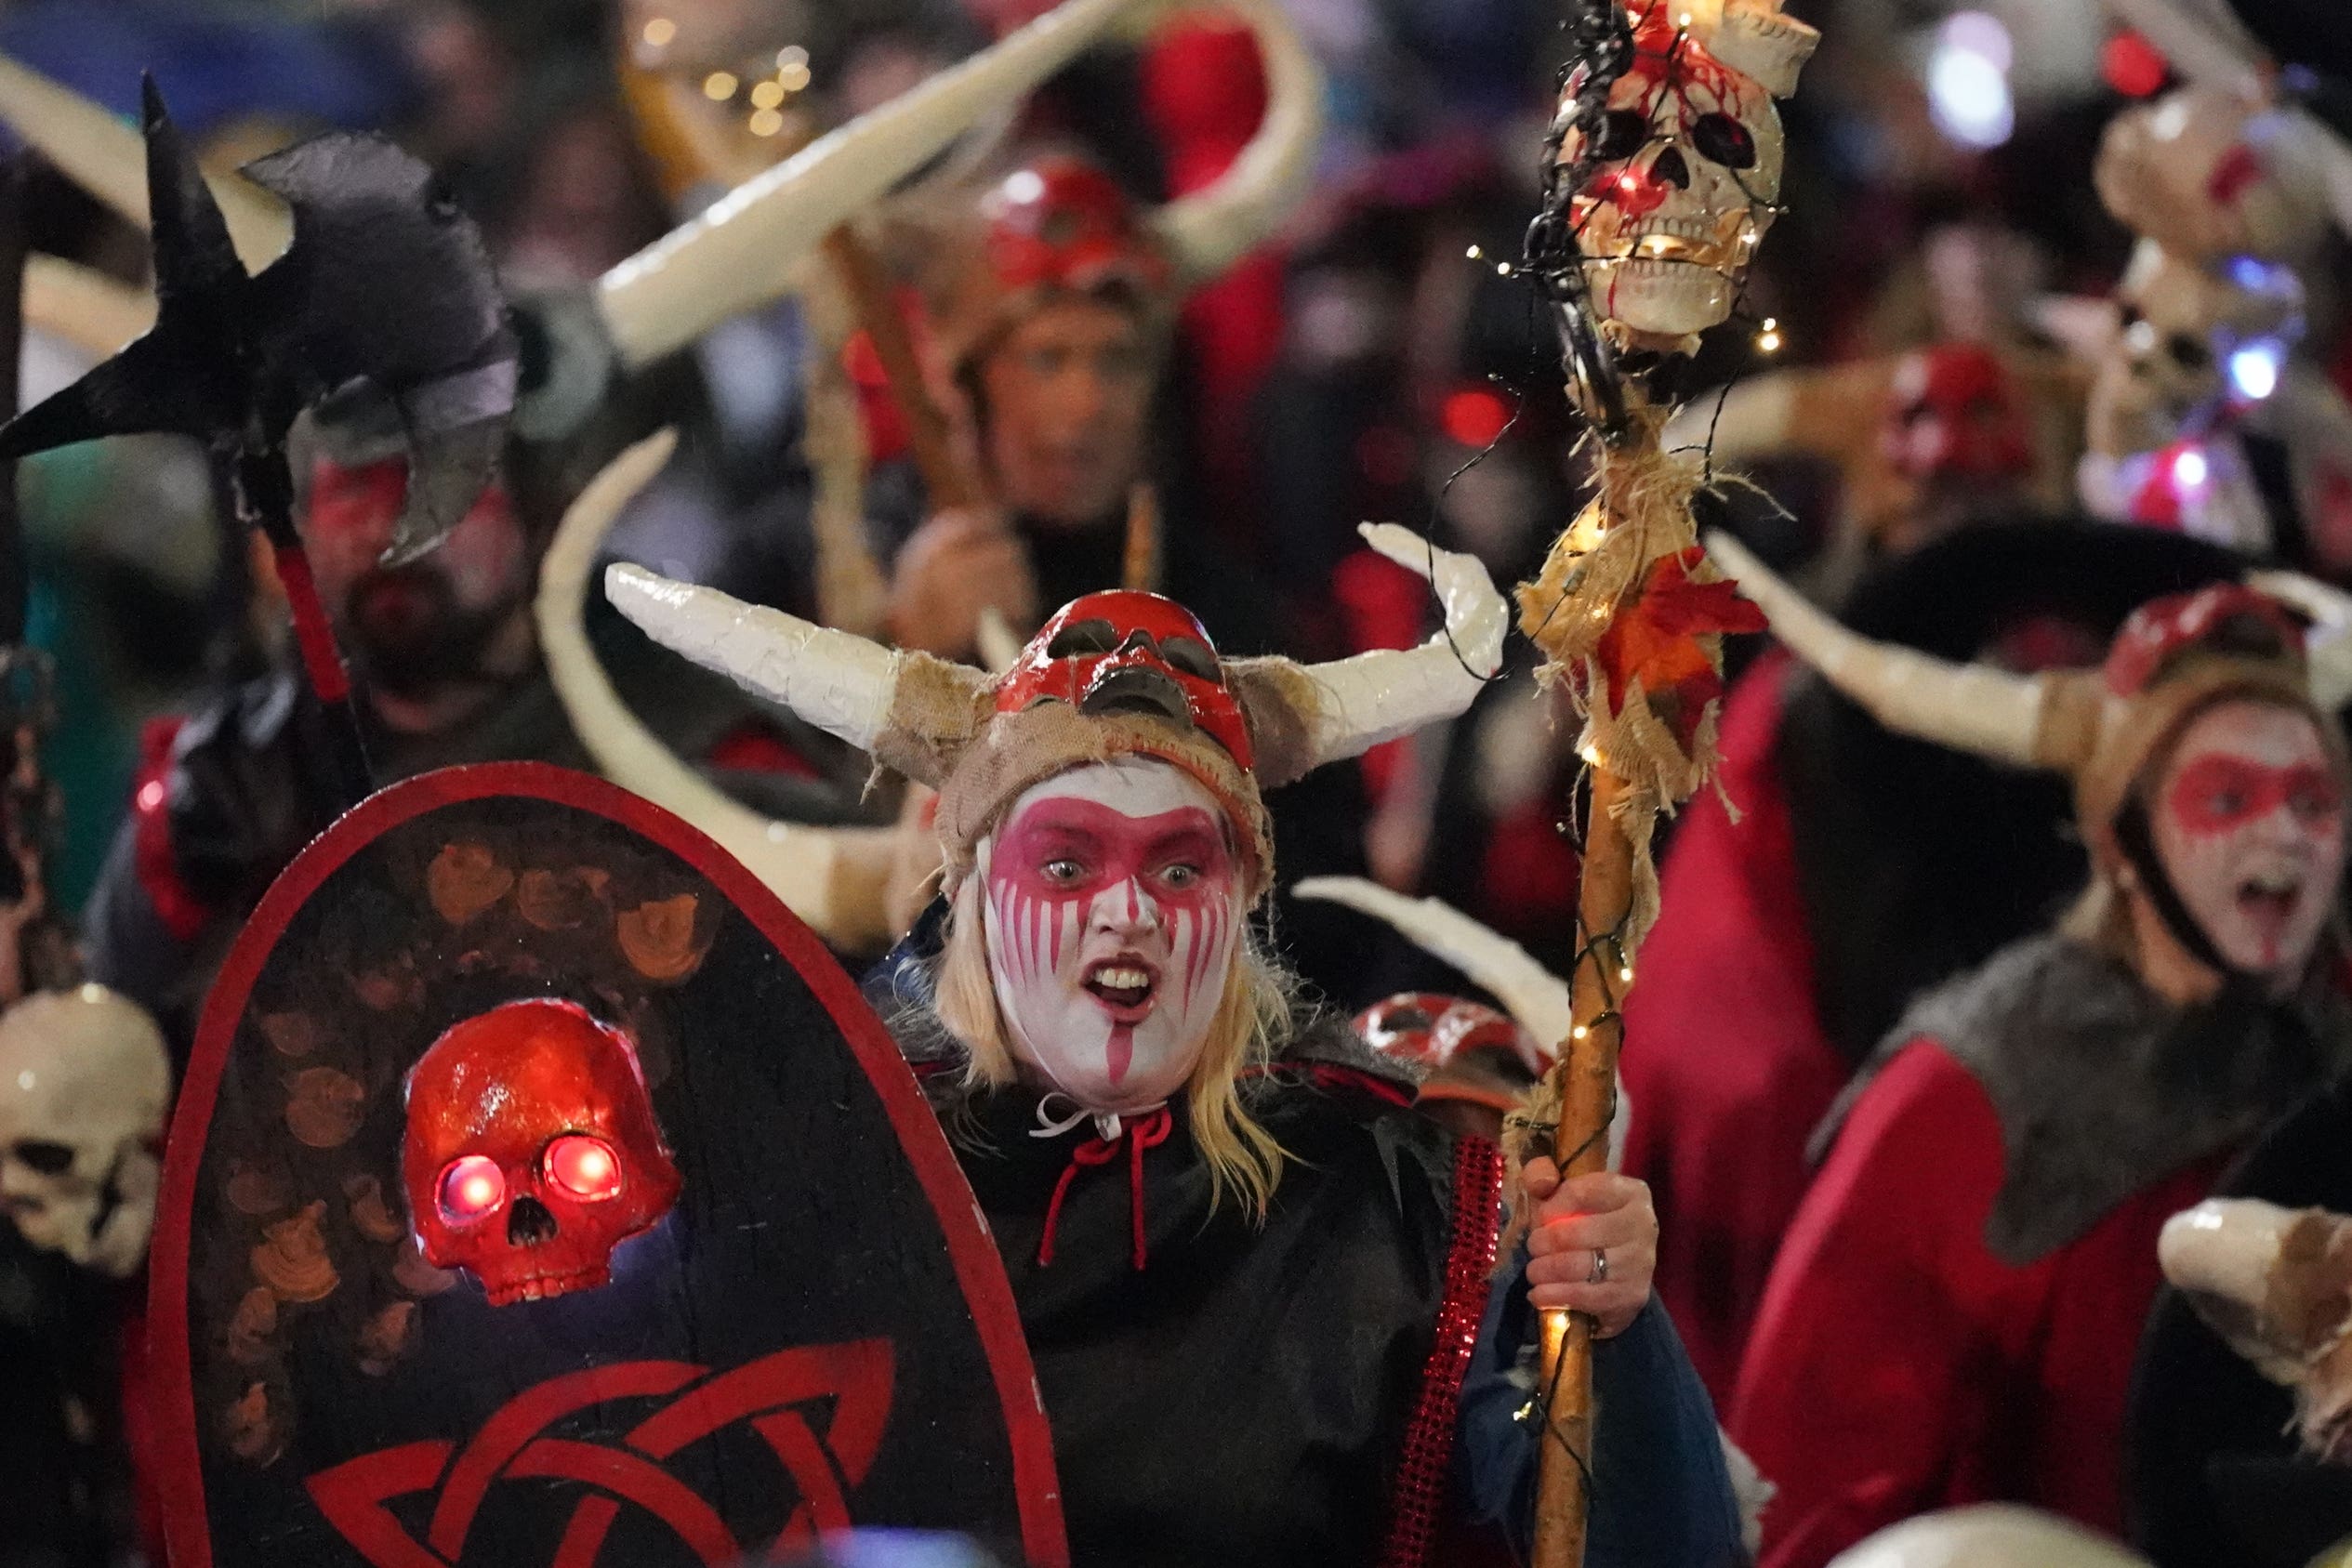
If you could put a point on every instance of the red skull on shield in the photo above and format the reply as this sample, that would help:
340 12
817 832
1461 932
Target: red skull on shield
531 1150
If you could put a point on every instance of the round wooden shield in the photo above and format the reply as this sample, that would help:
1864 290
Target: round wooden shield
777 1312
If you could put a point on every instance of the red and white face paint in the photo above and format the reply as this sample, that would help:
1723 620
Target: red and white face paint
2247 819
1114 911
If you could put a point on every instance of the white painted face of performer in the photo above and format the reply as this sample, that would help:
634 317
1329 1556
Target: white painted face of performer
1114 913
2247 819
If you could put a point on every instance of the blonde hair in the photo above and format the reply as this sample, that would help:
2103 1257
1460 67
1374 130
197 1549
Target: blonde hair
1253 1018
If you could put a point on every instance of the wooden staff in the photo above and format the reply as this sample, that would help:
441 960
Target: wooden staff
1585 1079
1140 568
949 483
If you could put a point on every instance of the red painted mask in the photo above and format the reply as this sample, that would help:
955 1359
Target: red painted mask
531 1150
1431 1028
1952 415
1064 223
1123 651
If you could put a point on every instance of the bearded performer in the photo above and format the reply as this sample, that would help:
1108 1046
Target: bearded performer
1190 1184
1949 1317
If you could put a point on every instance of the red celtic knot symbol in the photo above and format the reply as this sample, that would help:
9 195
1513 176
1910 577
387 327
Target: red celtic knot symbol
512 1445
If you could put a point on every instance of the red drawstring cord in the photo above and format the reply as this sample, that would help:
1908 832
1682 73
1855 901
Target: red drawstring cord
1149 1132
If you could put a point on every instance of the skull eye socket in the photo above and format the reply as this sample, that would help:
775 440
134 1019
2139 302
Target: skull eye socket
1192 657
1083 637
2187 352
584 1166
1621 135
49 1159
1722 140
471 1188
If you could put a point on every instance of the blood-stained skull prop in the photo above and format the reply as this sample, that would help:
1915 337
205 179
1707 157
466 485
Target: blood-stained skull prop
1671 180
2188 169
531 1150
2172 371
1125 651
83 1083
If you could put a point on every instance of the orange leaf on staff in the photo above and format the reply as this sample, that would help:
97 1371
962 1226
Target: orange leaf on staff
1654 638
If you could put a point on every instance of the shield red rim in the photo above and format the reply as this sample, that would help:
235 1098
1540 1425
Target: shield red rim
180 1485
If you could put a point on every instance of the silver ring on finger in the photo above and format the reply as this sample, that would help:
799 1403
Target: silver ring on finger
1600 1274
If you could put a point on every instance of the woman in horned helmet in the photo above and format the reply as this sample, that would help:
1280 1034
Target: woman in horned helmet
1251 1277
1954 1314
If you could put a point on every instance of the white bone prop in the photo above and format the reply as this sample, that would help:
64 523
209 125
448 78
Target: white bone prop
107 156
1988 1536
830 878
2279 1271
1380 695
86 1072
1973 708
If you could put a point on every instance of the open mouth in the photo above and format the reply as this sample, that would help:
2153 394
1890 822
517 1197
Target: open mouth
1136 689
2269 900
1126 987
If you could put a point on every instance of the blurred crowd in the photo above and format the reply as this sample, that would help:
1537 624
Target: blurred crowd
1961 366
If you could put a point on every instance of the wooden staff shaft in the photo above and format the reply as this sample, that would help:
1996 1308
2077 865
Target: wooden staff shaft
948 481
1586 1080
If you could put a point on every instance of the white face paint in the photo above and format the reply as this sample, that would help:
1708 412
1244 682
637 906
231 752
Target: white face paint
1114 911
2247 819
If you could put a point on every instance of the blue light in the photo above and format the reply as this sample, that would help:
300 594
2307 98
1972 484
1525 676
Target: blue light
2253 370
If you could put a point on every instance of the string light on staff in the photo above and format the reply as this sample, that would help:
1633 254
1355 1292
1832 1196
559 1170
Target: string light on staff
1768 338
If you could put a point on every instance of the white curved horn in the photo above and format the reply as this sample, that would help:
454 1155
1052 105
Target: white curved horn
742 250
1529 992
83 306
1968 707
106 156
1362 701
1536 999
2328 650
1209 230
839 681
831 877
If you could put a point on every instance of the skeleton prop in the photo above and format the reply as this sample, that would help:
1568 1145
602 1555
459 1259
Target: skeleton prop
1664 166
543 1189
84 1084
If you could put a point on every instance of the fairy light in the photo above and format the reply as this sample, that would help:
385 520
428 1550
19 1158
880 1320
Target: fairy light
1768 340
766 95
1578 1033
1503 269
660 32
1625 973
720 86
1591 754
1476 253
790 55
793 77
767 122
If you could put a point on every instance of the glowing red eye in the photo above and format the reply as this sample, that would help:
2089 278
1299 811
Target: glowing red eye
584 1166
472 1188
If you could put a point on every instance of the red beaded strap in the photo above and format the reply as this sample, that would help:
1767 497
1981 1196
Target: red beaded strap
1427 1462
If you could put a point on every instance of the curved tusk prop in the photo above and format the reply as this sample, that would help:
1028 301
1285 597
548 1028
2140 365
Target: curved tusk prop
2327 651
1969 707
1208 231
83 306
830 878
1374 697
106 156
744 249
841 682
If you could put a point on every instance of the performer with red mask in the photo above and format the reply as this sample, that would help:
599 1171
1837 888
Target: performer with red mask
1188 1178
1954 1314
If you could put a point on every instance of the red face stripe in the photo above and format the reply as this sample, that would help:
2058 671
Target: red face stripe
2222 793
